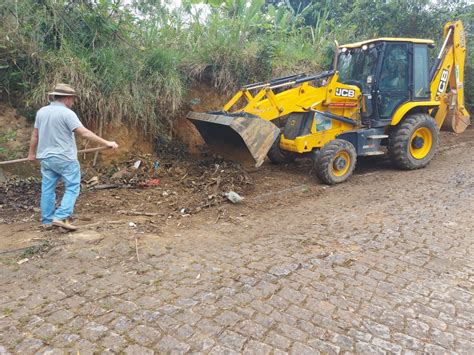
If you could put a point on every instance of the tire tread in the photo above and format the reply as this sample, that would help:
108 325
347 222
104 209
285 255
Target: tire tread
325 157
276 155
399 138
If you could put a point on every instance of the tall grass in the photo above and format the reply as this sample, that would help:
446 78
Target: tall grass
133 64
99 50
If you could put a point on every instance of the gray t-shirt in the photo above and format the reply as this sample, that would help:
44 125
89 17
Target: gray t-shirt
56 124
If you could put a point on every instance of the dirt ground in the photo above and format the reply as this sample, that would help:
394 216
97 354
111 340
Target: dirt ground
187 191
380 264
184 189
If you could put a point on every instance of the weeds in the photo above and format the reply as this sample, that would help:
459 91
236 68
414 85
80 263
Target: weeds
133 63
36 250
7 312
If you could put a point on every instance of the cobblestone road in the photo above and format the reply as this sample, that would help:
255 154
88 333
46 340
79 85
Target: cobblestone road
383 264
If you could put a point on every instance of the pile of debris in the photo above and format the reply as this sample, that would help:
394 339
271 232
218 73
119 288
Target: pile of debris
175 184
20 194
202 182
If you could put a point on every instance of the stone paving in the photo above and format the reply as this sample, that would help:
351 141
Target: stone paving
383 264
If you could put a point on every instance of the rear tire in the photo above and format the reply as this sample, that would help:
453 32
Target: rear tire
413 142
278 155
335 162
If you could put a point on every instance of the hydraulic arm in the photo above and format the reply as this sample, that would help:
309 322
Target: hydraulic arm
448 73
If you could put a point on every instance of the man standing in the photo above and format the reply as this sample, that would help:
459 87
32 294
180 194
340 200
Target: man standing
54 145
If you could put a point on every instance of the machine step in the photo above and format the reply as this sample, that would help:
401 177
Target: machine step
378 136
379 152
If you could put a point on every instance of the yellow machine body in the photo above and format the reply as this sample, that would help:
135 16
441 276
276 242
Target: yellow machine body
311 111
270 106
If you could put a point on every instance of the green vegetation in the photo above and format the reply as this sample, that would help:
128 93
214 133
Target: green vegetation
42 248
8 135
133 62
7 312
7 151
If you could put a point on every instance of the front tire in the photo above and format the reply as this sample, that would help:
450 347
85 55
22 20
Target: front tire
413 142
278 155
336 162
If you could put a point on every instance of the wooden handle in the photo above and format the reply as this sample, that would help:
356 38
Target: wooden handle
89 150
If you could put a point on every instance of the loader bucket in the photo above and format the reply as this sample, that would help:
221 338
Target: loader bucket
239 137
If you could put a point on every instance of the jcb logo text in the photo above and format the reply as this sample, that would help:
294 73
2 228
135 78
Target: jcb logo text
443 81
345 92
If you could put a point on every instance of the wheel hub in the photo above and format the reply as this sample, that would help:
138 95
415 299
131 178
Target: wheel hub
421 143
417 142
340 163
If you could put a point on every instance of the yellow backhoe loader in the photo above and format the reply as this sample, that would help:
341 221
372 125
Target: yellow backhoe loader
381 96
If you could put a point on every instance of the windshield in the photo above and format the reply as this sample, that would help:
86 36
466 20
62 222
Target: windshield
356 65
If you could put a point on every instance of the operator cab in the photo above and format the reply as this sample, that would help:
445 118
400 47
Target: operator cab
389 72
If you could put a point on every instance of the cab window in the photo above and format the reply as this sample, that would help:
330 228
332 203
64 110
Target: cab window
420 71
394 73
393 85
356 64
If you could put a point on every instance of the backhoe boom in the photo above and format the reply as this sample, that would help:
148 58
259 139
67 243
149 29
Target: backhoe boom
448 72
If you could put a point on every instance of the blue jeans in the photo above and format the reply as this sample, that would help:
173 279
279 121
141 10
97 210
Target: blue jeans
52 169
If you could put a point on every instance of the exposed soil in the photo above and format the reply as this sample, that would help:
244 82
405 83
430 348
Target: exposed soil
202 98
15 131
129 139
15 134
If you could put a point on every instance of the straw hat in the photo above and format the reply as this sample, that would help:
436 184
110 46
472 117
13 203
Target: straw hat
63 90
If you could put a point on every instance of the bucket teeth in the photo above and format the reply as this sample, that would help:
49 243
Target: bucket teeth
242 138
